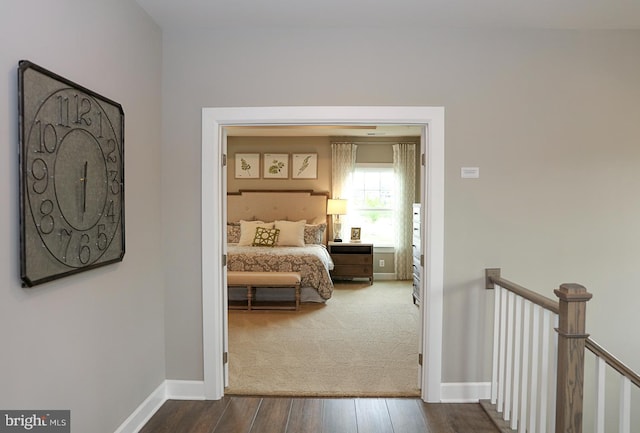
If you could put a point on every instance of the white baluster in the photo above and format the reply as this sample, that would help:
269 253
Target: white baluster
625 405
509 360
553 374
525 366
517 348
496 342
544 372
503 347
601 366
535 366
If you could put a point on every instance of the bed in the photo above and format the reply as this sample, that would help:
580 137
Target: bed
280 231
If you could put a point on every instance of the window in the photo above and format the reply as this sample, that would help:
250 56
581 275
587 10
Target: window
371 203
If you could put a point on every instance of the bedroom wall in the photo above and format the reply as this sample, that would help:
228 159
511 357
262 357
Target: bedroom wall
94 342
262 145
550 117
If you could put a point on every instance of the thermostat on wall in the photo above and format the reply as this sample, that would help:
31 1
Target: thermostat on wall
470 172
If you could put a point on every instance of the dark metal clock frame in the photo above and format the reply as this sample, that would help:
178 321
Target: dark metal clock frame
71 177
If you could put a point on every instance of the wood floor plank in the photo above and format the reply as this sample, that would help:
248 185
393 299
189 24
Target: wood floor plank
457 418
469 417
239 415
339 416
406 415
305 416
208 416
272 415
167 418
310 415
192 416
373 416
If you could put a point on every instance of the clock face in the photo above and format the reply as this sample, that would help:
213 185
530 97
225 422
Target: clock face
72 177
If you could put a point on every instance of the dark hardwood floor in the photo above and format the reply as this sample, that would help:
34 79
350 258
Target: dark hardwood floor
234 414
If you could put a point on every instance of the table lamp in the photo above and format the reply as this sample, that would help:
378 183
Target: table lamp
335 208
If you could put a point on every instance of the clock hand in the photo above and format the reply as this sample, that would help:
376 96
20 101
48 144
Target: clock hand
84 189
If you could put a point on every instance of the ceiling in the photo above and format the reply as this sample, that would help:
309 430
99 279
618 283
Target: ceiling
529 14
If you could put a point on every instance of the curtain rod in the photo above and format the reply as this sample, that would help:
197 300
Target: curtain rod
417 141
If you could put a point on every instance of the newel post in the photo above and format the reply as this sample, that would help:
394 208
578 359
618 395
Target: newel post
571 345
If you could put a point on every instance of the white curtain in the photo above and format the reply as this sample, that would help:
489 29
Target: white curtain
343 162
404 168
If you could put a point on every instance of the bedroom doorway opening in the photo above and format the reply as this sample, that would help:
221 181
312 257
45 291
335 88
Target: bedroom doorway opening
215 318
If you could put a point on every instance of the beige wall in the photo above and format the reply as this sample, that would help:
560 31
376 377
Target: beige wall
93 342
550 117
369 151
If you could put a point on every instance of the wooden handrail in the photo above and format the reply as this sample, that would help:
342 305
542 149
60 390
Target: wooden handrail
614 362
572 340
493 277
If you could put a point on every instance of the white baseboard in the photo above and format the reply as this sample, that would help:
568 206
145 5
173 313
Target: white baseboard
168 390
184 389
465 392
144 412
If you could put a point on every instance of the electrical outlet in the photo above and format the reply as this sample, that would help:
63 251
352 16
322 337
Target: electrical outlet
381 263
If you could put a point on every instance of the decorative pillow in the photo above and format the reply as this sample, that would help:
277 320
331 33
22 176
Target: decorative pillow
248 231
233 233
291 233
313 233
265 237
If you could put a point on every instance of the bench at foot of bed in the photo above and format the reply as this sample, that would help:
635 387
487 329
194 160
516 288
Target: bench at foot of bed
253 281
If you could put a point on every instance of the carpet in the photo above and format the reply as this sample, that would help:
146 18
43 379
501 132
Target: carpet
362 343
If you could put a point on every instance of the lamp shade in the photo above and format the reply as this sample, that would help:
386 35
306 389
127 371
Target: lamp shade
336 206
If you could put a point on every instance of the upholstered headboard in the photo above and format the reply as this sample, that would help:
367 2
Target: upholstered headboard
277 205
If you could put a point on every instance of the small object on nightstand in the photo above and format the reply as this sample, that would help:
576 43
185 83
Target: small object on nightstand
355 234
351 260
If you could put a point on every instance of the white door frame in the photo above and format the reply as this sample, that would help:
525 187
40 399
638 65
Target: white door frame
214 326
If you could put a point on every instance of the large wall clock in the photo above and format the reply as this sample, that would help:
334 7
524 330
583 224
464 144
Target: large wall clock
71 177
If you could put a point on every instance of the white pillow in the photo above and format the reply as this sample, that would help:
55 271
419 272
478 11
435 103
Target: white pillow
248 231
291 233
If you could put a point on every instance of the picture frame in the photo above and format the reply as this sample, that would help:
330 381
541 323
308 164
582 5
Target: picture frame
275 166
304 166
247 166
355 234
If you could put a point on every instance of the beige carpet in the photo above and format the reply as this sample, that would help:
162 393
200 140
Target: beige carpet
363 342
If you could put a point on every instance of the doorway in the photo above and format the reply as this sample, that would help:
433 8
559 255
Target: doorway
214 211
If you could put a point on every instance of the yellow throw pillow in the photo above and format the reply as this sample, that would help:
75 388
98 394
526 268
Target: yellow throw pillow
265 237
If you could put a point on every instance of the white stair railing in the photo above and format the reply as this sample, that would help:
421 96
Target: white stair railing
626 377
538 361
523 356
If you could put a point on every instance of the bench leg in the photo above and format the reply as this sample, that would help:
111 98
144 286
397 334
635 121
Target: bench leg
297 297
249 297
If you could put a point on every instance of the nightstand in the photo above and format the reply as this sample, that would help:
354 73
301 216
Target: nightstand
353 260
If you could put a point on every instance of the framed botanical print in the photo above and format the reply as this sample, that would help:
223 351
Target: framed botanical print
304 166
247 165
276 166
